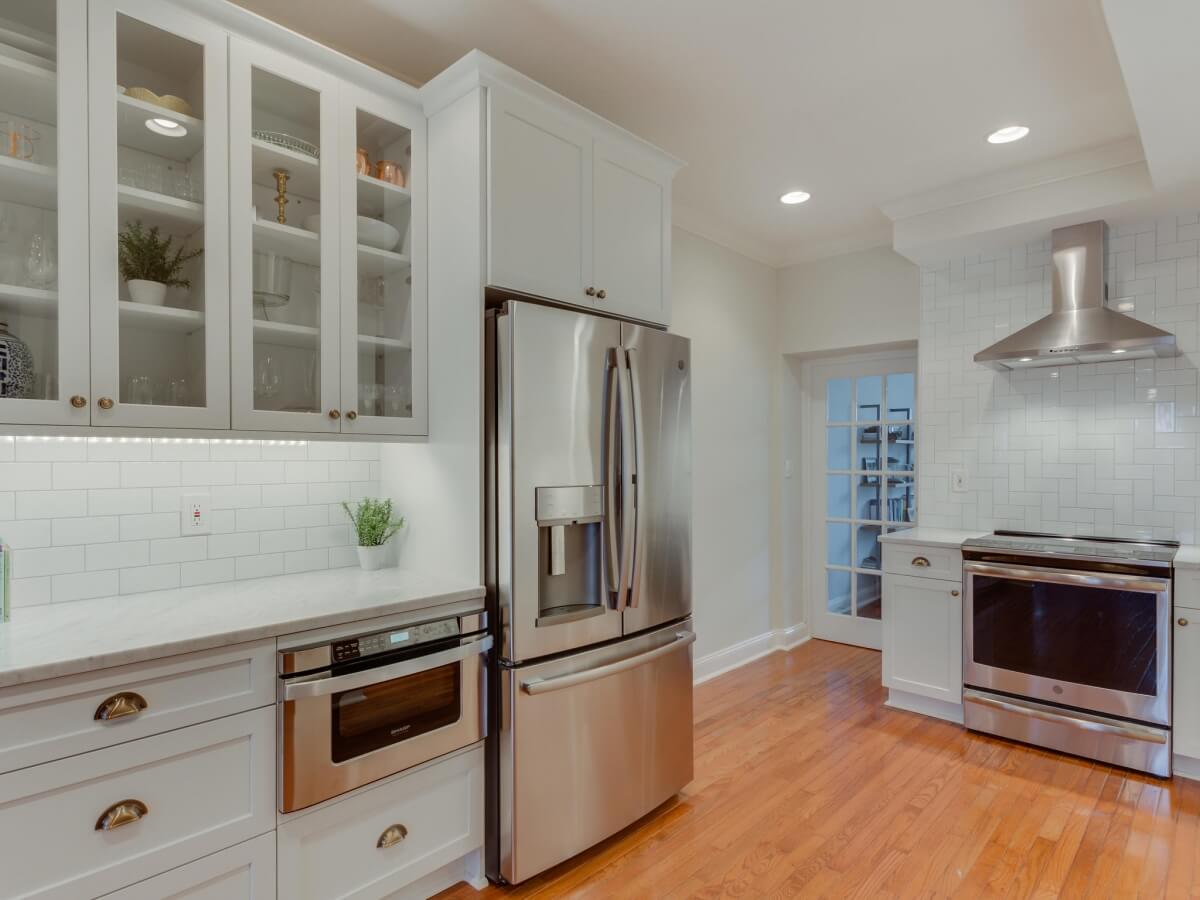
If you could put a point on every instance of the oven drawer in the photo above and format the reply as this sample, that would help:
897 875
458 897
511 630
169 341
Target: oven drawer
243 872
923 560
378 841
49 720
182 795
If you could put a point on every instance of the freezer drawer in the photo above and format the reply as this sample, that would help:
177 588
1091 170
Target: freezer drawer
590 743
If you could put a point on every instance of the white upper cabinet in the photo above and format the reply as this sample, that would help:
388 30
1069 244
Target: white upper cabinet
578 211
44 377
159 217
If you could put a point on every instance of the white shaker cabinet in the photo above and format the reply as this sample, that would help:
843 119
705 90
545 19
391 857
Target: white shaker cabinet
1186 687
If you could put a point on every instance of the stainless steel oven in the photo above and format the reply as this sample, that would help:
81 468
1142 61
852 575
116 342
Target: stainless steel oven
361 707
1067 644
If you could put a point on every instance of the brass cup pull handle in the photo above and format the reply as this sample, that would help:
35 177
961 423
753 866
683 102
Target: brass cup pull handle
590 291
601 294
352 415
1182 621
954 593
123 813
118 706
335 414
105 403
391 836
79 401
920 562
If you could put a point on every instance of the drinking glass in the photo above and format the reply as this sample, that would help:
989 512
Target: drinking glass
41 265
267 378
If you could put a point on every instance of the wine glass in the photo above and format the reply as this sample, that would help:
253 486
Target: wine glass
267 378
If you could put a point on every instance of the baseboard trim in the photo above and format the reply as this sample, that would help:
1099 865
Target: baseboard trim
925 706
737 655
1185 767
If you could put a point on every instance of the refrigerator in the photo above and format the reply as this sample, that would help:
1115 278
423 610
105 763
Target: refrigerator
588 463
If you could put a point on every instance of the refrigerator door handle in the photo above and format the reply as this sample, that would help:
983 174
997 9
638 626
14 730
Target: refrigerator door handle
611 476
639 531
628 481
545 685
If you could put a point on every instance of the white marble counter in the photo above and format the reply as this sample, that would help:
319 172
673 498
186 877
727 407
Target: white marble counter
63 639
1188 557
937 537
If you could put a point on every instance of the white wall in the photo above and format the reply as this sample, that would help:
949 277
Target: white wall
863 299
1106 448
726 304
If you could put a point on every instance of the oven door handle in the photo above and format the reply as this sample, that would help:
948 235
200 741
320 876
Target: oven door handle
1133 732
1064 576
326 684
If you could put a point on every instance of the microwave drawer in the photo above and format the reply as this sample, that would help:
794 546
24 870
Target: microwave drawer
922 560
60 717
376 842
90 824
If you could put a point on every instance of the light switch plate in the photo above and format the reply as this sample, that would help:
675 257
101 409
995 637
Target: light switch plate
958 481
194 515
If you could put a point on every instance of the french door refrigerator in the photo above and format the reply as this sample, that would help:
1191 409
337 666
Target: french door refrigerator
589 568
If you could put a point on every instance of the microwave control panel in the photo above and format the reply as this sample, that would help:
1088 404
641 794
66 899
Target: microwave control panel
383 641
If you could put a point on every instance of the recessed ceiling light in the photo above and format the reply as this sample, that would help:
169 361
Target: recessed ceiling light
167 127
1008 134
793 197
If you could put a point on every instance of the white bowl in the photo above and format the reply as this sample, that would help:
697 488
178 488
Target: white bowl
371 232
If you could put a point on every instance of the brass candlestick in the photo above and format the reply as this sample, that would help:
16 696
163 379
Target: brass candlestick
281 180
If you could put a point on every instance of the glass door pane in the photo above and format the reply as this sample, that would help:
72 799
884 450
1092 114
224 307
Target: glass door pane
43 194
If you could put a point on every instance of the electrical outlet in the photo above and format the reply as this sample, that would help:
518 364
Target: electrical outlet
958 481
195 517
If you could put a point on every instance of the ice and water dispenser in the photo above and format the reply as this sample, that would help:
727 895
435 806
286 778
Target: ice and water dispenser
570 583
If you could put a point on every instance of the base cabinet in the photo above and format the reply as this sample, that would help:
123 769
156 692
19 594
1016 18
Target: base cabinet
1186 689
243 872
922 636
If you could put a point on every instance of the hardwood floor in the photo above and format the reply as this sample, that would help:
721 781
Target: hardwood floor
807 786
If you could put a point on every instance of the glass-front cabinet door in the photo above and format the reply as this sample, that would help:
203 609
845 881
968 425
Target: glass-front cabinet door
383 328
43 213
159 215
285 243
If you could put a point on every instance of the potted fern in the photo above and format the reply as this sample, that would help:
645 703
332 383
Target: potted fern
148 264
374 526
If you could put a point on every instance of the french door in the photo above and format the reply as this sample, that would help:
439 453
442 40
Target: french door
862 485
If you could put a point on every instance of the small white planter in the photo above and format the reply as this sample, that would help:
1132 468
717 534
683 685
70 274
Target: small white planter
152 293
372 558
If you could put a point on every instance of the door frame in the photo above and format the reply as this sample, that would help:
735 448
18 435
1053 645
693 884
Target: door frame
811 520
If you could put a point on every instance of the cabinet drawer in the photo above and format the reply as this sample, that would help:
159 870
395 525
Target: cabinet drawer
243 872
49 720
923 561
203 788
334 851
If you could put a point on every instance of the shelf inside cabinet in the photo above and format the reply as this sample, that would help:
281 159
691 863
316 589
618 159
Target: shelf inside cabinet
370 342
167 319
132 115
376 197
286 334
28 301
304 171
169 213
288 241
28 90
373 262
28 183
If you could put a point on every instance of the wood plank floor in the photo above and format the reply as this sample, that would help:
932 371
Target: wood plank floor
807 786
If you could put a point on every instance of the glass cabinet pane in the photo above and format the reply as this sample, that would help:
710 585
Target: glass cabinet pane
29 203
159 109
383 252
285 162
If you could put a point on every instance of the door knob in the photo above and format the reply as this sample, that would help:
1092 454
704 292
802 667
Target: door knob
1182 621
601 294
335 414
954 593
78 402
590 291
352 415
105 403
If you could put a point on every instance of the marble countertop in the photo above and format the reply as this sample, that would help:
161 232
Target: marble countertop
1188 557
938 537
67 638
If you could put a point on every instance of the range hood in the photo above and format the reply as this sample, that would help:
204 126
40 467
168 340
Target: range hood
1080 328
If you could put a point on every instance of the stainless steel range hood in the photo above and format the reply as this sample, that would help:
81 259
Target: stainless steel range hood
1080 328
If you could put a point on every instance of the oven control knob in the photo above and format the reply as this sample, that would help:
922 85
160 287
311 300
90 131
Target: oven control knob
1182 621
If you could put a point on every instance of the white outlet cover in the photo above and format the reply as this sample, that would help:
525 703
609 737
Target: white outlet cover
958 480
194 515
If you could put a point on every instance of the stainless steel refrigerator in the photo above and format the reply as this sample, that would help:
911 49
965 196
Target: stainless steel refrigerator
589 569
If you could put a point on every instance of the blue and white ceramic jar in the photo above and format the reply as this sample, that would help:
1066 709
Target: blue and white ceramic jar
16 365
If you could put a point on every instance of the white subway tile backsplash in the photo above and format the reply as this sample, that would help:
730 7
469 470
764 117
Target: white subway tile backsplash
100 516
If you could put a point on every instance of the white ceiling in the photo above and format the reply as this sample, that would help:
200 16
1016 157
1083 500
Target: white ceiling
860 102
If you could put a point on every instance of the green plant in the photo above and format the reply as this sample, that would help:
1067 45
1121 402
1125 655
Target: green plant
373 521
146 256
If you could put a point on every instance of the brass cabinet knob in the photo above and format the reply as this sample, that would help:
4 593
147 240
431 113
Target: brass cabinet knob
391 836
920 562
123 813
352 415
1182 621
954 593
105 403
601 294
79 402
590 291
118 706
335 414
